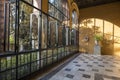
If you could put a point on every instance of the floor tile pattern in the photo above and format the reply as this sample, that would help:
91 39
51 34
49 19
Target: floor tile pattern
90 67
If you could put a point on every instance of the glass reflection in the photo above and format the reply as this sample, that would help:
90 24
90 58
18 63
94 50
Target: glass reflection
44 31
53 30
36 3
29 26
51 1
74 20
11 32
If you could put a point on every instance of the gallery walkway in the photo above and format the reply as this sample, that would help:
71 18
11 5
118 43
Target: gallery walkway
87 67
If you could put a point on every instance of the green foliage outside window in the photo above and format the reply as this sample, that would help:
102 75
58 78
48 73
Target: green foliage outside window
98 37
12 39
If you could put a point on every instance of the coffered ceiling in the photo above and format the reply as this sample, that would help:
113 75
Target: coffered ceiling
90 3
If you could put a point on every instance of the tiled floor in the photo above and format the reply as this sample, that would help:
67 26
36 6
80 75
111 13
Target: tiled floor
90 67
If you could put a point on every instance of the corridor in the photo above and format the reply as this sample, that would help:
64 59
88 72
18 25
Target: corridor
59 39
88 67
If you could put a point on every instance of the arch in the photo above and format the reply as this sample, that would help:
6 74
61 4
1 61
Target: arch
109 32
116 22
109 12
74 8
74 19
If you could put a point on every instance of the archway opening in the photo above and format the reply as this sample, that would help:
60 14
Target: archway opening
99 28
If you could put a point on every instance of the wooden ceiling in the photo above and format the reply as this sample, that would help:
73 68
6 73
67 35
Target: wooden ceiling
89 3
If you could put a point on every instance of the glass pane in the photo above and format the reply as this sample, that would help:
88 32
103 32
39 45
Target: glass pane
34 27
59 50
57 33
117 47
19 60
22 59
74 20
90 23
43 54
116 31
108 28
73 37
64 36
26 58
60 35
29 26
34 66
13 61
8 75
35 56
13 74
44 31
11 29
43 62
3 63
9 61
52 26
49 60
56 13
54 58
67 36
57 3
55 52
23 71
98 26
117 40
108 31
65 21
51 1
29 1
51 10
65 7
37 3
49 37
49 54
59 15
61 11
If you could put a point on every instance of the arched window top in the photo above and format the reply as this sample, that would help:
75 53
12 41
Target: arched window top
74 19
102 27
